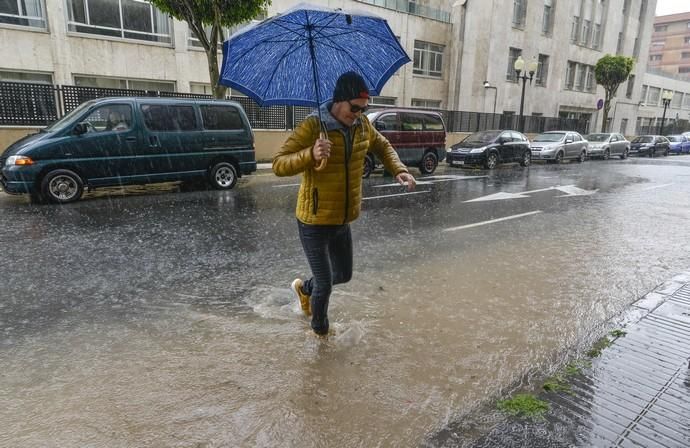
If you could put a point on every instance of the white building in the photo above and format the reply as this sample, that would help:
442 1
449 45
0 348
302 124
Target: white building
456 46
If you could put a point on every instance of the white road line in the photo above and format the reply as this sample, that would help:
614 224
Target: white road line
436 179
655 187
477 224
286 185
397 194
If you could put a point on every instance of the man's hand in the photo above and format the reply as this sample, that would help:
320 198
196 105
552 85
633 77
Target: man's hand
321 149
407 179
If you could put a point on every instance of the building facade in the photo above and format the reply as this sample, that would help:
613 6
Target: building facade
456 45
670 47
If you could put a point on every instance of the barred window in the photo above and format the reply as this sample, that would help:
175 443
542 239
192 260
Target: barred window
428 59
519 12
513 54
126 19
547 19
542 70
30 13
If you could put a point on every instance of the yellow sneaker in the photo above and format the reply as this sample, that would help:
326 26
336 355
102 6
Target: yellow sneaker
303 298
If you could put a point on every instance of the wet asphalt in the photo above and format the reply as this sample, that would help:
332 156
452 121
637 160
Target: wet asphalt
125 255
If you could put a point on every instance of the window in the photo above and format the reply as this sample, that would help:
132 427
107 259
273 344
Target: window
519 13
655 57
575 29
688 24
388 122
412 122
432 123
127 19
110 118
686 101
687 40
382 100
590 85
429 104
685 55
677 100
586 31
636 47
631 86
626 6
624 126
684 69
596 36
513 54
580 77
570 75
542 70
654 95
428 59
658 44
218 118
200 88
547 19
38 78
23 13
660 28
193 41
643 97
160 117
118 83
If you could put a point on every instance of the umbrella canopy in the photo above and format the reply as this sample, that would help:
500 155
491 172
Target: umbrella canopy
296 57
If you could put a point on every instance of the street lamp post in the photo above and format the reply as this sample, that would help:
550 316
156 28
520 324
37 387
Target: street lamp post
487 85
519 67
666 99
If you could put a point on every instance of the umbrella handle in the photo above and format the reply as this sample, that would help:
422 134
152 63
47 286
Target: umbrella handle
323 162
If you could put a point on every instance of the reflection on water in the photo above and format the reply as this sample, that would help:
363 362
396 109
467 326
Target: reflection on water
212 354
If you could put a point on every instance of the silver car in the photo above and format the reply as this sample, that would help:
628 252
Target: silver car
607 144
557 146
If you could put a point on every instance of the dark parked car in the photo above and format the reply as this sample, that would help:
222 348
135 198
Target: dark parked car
557 146
489 148
119 141
418 136
650 145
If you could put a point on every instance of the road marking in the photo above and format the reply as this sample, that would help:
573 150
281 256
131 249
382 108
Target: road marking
655 187
286 185
477 224
569 190
434 179
397 194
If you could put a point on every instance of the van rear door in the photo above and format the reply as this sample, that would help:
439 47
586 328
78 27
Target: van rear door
227 133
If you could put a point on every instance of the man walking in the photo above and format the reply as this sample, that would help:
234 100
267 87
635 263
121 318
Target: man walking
329 199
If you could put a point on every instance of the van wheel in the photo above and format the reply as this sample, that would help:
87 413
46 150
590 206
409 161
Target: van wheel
223 176
491 161
62 186
368 167
429 163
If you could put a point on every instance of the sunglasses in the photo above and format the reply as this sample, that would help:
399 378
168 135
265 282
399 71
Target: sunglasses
356 109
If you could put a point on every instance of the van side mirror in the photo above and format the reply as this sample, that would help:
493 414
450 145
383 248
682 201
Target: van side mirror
80 128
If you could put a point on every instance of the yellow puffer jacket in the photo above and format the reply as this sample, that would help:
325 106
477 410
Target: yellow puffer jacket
333 195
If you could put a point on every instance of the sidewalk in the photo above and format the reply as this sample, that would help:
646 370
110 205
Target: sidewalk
633 392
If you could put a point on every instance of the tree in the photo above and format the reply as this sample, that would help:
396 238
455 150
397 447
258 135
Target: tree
610 72
216 14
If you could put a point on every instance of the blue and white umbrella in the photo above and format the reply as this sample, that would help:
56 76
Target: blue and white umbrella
296 57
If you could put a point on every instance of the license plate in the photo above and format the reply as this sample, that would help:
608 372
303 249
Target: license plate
458 162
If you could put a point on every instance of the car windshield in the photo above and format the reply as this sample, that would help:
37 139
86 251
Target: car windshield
643 139
482 137
64 121
674 138
597 137
549 137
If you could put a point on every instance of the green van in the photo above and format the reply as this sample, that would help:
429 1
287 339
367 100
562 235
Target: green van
122 141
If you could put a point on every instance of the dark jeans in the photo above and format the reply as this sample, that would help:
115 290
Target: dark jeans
329 253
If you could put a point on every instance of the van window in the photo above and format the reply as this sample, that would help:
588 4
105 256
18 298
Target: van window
112 117
433 123
159 117
221 118
388 122
412 122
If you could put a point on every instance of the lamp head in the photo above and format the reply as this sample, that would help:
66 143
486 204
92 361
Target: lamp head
519 64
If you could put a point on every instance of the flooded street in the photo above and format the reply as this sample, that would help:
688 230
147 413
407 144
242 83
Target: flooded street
165 318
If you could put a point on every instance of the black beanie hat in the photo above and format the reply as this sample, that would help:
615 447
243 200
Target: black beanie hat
349 86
